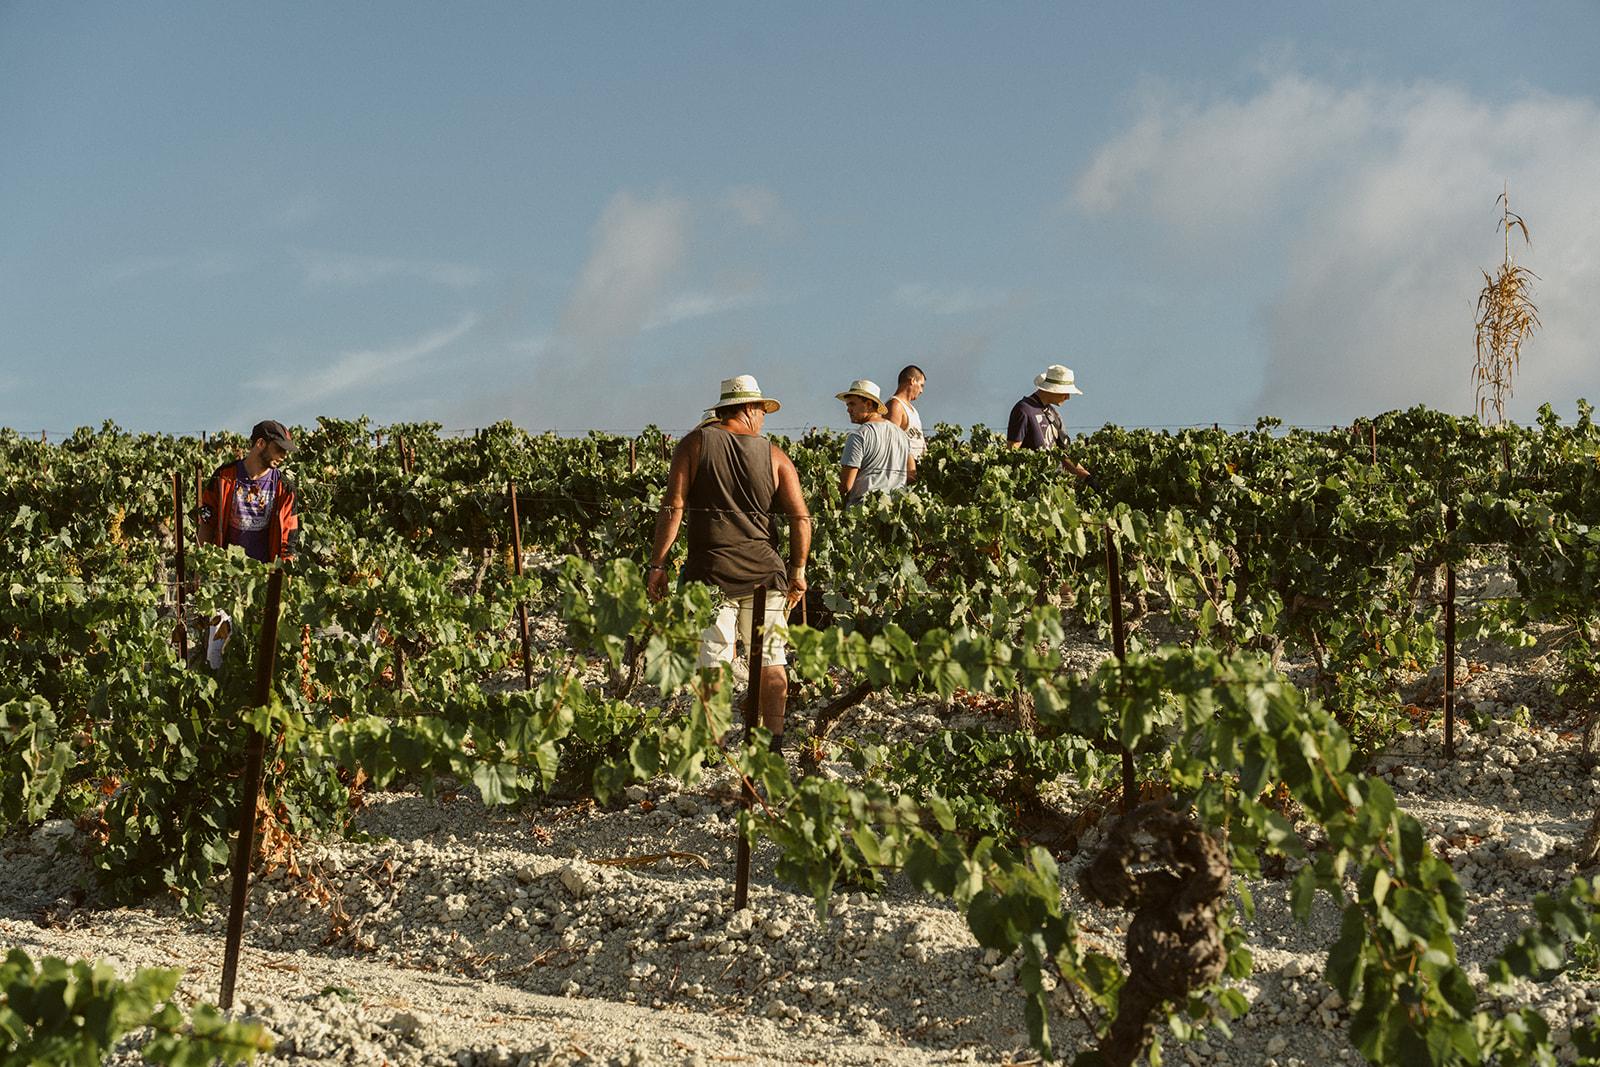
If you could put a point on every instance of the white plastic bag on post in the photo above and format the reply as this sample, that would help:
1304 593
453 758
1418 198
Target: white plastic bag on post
217 635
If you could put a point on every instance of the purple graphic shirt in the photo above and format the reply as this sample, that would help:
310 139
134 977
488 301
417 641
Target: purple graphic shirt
252 511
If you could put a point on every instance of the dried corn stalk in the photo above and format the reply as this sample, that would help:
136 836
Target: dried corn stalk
1506 318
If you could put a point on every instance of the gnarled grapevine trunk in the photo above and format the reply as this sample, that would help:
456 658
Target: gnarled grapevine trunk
1174 877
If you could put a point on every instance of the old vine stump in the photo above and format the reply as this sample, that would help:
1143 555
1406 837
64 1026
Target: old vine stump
1174 877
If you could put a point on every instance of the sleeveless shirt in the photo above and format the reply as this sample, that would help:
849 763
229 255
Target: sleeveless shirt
733 540
919 443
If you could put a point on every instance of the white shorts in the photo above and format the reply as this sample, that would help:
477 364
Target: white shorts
733 622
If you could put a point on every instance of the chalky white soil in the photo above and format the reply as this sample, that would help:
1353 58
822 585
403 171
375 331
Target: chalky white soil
574 934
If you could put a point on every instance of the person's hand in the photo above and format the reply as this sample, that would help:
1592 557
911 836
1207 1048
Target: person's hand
655 584
797 587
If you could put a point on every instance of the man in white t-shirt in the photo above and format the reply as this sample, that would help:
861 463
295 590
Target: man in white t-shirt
877 453
903 414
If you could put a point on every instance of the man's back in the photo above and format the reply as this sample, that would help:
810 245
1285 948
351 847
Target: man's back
904 415
1034 424
732 537
879 450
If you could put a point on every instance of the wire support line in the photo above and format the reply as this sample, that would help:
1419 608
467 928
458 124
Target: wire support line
1357 432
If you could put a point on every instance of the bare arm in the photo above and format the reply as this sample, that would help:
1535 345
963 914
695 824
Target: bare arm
793 504
847 479
680 477
911 467
898 414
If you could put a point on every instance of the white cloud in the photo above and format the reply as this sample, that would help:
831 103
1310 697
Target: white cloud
637 277
637 245
636 249
949 300
529 346
1378 202
186 266
297 212
351 370
698 305
333 268
1227 162
757 207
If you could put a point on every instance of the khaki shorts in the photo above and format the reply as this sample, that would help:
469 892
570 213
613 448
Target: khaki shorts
732 623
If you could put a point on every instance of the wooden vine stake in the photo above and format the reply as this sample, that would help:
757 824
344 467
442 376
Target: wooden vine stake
522 607
752 715
255 752
633 455
1372 430
199 498
1119 645
1450 639
177 517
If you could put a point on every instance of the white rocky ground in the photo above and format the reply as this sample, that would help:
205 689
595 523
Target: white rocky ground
574 934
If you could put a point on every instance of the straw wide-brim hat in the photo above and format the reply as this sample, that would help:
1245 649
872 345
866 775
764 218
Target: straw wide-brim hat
744 389
863 388
707 417
1057 379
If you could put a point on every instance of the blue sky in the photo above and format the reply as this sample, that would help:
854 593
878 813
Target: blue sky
579 216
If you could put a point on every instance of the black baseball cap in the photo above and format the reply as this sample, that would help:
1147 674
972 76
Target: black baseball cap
275 433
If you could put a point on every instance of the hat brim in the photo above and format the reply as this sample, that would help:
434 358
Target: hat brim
883 409
1064 388
768 404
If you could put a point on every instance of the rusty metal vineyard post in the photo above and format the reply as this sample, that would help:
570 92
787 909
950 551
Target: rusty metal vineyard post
1450 637
199 501
522 607
752 715
1120 647
177 540
255 755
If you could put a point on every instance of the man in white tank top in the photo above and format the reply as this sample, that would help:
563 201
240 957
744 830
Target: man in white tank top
903 415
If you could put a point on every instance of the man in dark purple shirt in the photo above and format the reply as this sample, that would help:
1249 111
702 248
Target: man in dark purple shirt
1035 423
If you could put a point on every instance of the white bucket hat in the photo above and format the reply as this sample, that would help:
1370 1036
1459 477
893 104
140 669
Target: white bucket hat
743 389
1057 379
867 389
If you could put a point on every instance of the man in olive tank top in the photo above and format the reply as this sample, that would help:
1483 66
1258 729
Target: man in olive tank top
729 479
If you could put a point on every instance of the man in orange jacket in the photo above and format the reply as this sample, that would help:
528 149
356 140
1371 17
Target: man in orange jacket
250 502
